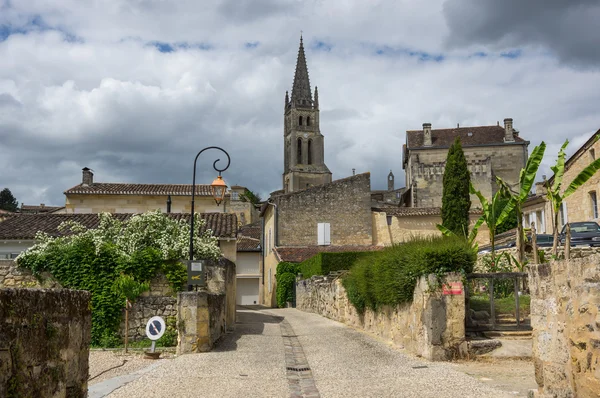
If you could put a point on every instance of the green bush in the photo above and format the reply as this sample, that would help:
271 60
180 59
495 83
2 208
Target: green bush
285 288
324 263
285 266
389 277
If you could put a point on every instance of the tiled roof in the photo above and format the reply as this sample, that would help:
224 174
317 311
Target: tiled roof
417 211
299 254
39 208
25 226
443 138
105 188
5 212
249 237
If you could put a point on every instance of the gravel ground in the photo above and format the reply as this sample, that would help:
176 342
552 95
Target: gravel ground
344 363
101 361
516 376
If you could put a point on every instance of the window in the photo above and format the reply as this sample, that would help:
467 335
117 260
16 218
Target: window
299 159
309 152
323 234
299 120
594 203
235 195
269 244
308 120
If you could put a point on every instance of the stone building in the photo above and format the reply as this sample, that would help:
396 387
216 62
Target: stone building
490 151
580 206
98 197
303 159
391 195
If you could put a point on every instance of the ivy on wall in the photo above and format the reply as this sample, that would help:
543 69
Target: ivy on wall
93 259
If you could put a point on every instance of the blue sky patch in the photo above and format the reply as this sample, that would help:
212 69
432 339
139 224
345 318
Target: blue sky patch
512 54
321 46
36 24
251 44
398 52
165 47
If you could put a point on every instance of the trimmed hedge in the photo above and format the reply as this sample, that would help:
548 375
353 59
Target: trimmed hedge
285 276
324 263
389 277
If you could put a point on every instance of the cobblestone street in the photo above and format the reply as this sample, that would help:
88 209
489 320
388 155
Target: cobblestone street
289 353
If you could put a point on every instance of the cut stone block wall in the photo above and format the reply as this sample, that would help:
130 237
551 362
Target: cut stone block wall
200 320
432 326
565 316
44 342
11 276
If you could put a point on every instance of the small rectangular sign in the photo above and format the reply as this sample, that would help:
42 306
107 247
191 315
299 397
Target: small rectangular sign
452 288
195 272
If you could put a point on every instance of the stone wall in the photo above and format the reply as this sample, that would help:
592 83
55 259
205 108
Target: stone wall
145 308
345 204
201 321
11 276
432 326
44 342
565 316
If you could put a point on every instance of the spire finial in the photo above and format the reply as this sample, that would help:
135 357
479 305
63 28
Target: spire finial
301 93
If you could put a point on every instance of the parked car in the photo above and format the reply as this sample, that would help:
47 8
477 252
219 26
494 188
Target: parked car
544 240
582 234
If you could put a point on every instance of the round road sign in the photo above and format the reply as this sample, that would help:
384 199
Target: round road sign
155 328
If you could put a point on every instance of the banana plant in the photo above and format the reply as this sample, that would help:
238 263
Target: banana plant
554 194
517 198
472 235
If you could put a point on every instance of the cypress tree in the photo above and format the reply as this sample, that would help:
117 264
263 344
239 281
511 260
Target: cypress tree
456 200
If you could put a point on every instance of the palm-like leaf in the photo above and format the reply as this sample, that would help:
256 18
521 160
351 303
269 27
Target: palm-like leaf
527 176
559 168
475 229
445 231
582 177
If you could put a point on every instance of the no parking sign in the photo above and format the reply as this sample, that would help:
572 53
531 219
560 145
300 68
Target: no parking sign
155 328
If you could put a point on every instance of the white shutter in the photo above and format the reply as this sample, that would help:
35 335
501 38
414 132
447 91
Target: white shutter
327 234
320 233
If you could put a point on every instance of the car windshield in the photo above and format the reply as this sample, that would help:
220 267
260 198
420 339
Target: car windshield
583 227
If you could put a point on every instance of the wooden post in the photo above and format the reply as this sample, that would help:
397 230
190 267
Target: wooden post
568 243
492 308
536 258
517 301
126 324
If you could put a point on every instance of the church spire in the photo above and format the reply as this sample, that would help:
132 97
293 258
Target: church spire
301 94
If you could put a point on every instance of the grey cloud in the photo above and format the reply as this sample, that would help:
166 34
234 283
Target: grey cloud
7 100
568 29
246 11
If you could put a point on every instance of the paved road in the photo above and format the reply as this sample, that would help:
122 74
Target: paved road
289 353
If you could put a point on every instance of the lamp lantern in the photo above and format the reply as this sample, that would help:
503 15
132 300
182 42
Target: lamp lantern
218 189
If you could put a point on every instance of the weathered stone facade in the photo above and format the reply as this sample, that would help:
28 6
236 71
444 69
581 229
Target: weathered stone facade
565 316
488 155
432 326
345 204
44 342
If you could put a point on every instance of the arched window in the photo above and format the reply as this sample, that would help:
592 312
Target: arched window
309 152
308 120
299 159
299 120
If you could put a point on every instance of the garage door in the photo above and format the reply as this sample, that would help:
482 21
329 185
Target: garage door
247 291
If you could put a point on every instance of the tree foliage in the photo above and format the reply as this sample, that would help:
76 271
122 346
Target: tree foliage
93 259
251 197
456 201
7 201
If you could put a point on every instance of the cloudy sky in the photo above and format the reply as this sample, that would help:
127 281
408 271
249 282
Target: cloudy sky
135 88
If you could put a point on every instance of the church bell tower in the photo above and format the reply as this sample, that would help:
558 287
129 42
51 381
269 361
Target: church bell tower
303 159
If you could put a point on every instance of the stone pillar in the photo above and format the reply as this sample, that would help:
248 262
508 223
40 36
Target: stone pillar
193 322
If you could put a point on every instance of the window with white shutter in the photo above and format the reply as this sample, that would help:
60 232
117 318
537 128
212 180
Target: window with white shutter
324 234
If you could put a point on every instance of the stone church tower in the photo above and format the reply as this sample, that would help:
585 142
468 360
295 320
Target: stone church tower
303 159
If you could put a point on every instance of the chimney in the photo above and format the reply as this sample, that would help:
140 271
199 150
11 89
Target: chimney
88 177
427 134
508 130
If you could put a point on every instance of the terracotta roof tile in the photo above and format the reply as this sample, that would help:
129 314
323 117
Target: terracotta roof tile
25 226
299 254
39 208
443 138
105 188
249 237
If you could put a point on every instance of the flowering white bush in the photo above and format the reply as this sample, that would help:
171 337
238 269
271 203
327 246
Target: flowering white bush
151 229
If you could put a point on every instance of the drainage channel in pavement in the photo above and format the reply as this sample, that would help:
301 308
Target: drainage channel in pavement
105 387
299 376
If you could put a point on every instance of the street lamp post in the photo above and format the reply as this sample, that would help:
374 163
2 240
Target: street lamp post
218 188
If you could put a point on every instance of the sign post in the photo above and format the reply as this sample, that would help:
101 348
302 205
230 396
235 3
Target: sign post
155 328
